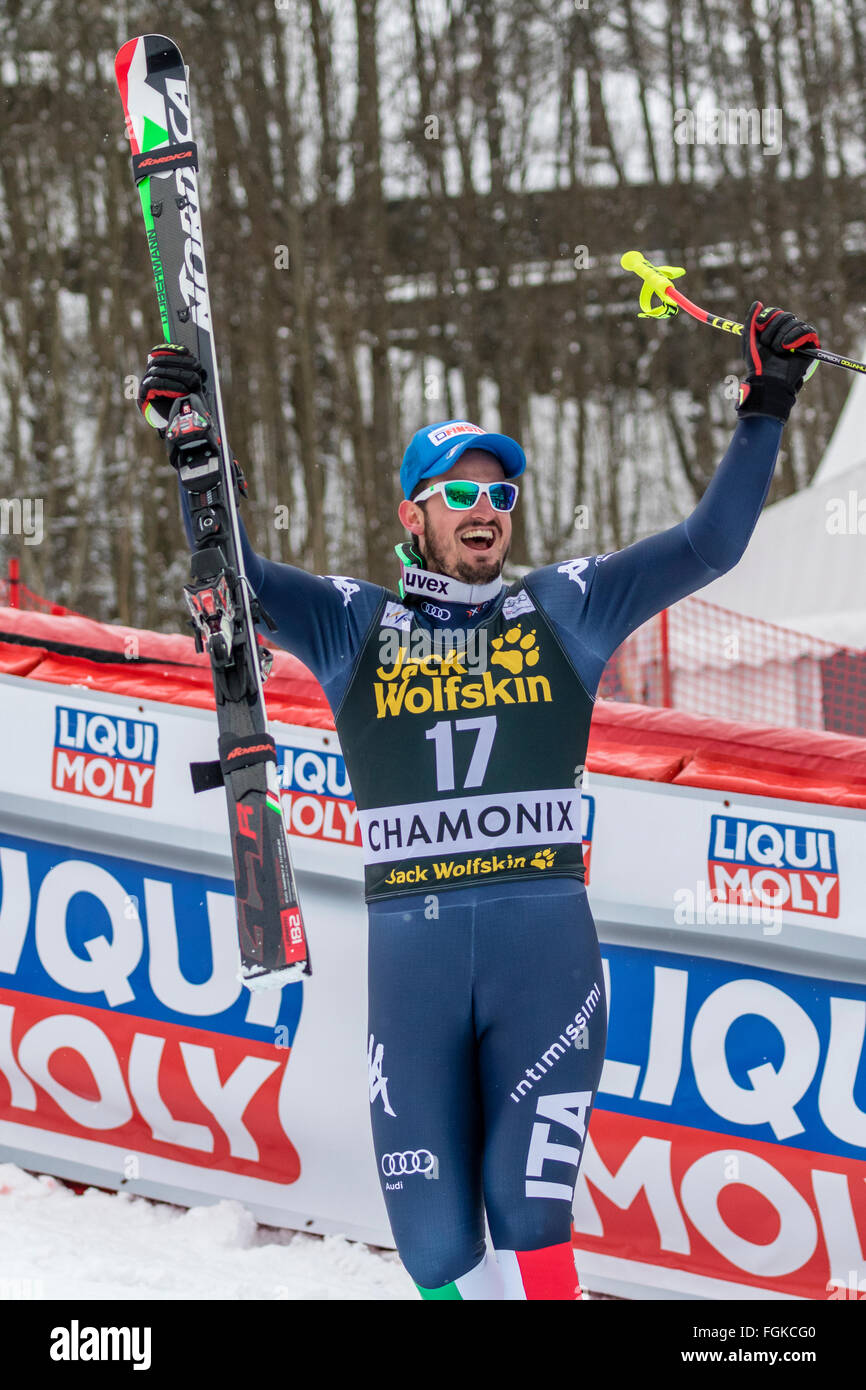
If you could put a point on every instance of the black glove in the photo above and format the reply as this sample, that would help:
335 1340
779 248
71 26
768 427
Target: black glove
776 369
172 371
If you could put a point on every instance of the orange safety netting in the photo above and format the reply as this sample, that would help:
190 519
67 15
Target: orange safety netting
14 594
696 656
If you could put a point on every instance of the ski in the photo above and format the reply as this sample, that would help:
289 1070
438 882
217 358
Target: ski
154 89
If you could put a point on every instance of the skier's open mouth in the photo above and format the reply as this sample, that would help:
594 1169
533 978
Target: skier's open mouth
479 538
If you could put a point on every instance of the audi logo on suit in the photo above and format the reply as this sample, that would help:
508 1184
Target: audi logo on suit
414 1161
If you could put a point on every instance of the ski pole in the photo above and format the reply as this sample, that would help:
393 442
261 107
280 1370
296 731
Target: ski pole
658 280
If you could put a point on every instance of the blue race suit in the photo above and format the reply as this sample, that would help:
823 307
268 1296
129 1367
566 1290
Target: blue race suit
487 1015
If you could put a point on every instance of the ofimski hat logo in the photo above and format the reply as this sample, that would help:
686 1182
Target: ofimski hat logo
457 427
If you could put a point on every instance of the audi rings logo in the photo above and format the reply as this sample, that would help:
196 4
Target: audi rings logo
415 1161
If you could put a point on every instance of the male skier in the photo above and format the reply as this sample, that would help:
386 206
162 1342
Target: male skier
487 1012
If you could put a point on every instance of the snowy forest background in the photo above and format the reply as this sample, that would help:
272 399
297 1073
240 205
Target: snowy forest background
413 210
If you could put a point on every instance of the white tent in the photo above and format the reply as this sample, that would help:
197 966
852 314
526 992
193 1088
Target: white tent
805 566
847 445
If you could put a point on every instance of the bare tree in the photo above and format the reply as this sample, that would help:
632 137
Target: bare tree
416 211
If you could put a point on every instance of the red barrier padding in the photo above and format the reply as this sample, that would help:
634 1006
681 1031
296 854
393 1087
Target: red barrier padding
149 665
802 753
19 661
735 777
176 686
648 764
636 741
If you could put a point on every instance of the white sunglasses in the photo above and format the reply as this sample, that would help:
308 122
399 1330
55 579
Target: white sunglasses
462 493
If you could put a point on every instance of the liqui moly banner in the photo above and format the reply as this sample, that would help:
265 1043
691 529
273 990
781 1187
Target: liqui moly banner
110 1026
730 858
729 1139
316 795
768 863
727 1151
130 1053
104 756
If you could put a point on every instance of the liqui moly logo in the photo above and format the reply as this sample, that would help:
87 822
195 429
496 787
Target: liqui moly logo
104 756
767 864
316 795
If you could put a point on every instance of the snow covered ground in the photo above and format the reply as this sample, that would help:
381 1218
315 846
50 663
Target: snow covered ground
56 1244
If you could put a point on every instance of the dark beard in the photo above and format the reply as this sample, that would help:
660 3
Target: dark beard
466 573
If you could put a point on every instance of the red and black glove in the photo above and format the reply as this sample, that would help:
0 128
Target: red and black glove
172 371
777 370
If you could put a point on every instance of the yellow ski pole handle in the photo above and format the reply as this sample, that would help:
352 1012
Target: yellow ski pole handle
658 282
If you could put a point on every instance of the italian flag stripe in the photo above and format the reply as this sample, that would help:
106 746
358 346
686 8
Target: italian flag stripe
547 1274
152 135
121 67
446 1291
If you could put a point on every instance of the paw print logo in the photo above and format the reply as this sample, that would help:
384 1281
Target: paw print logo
514 650
543 859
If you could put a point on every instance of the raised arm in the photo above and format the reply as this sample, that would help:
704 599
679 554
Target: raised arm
320 619
597 601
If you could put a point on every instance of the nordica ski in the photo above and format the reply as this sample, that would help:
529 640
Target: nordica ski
154 88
